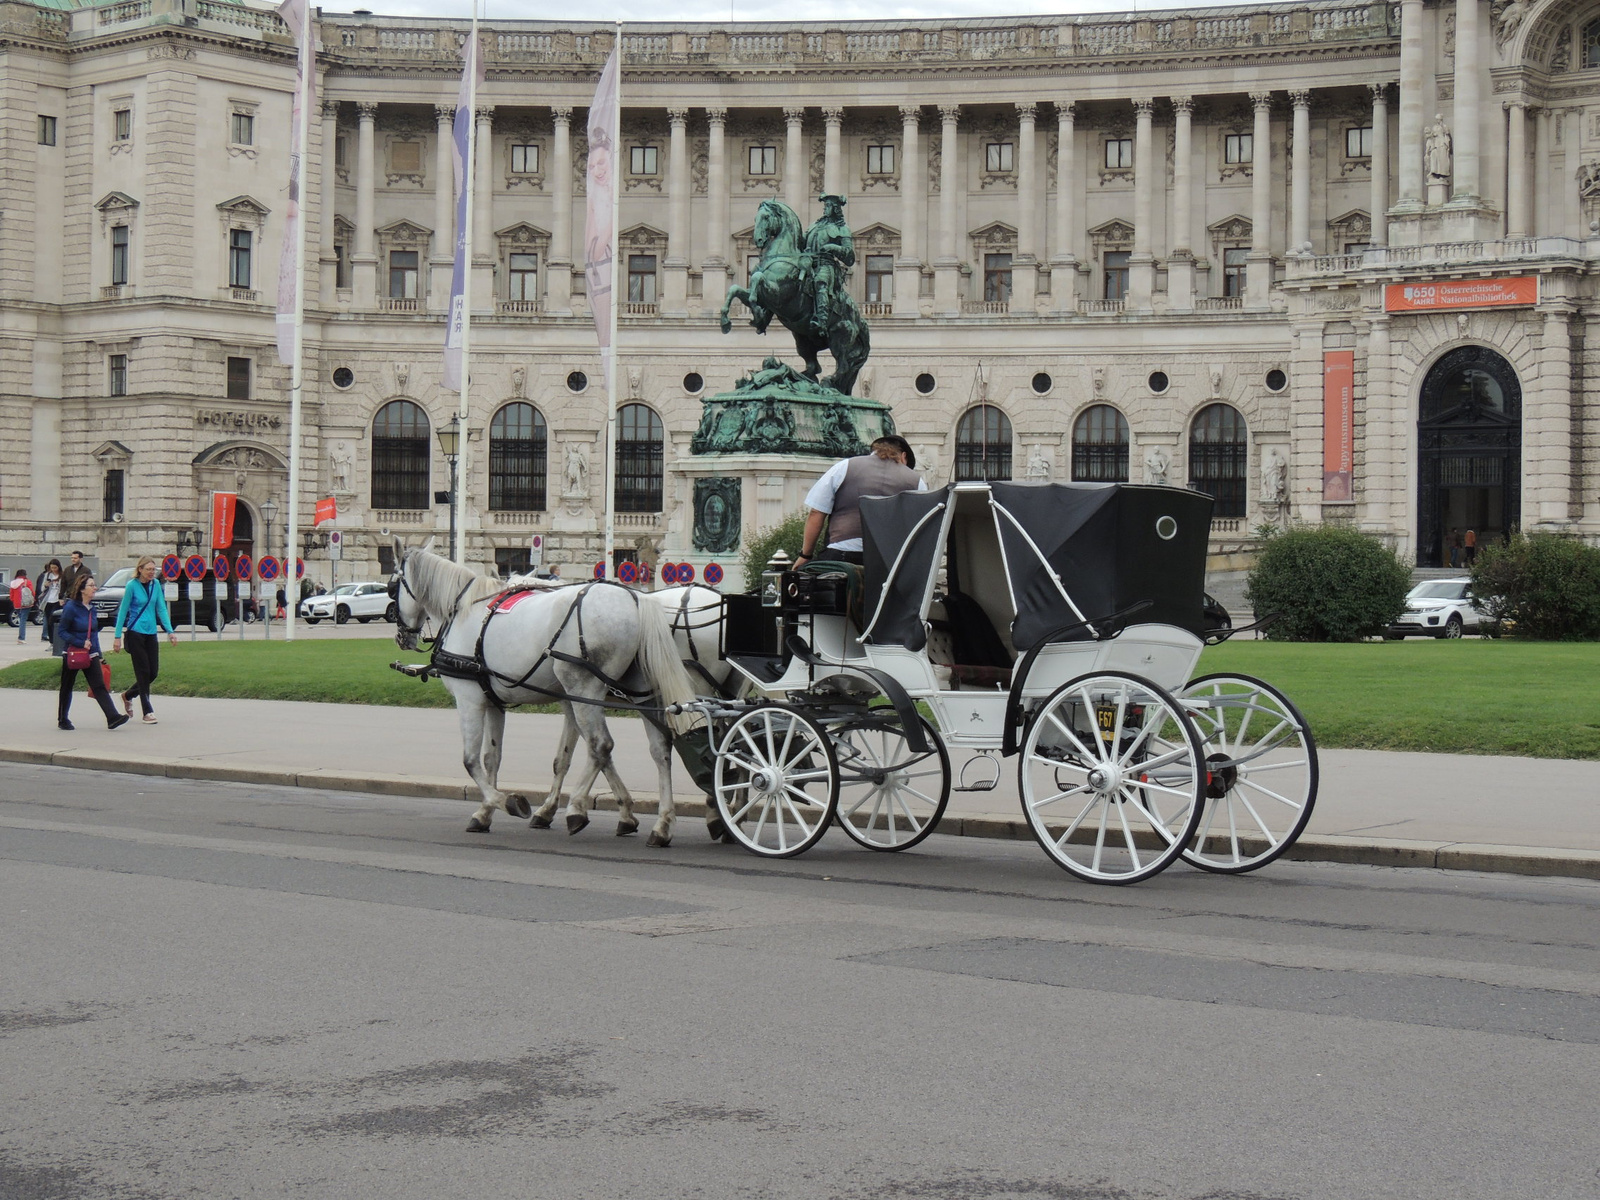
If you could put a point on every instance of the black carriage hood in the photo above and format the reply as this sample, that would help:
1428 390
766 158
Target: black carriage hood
888 524
1111 545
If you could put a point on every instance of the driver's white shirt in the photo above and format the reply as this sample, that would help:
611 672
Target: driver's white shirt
822 492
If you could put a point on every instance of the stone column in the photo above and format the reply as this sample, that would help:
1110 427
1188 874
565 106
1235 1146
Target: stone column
1516 168
1467 187
1141 264
1413 79
485 254
675 270
1063 256
947 267
558 174
1379 203
1543 223
327 260
444 241
1300 168
913 213
1025 265
1180 260
1258 272
714 269
1547 429
832 164
364 261
796 170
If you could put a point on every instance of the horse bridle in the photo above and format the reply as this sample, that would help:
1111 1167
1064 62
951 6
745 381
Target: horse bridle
409 636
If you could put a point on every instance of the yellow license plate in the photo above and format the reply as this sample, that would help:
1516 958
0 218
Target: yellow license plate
1105 719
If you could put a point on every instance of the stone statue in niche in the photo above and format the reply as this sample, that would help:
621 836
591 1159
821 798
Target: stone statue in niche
1507 19
1216 383
1099 381
1439 150
1157 463
635 383
402 376
577 472
519 380
1274 480
340 465
1038 464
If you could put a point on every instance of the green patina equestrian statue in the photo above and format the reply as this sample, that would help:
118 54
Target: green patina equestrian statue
801 281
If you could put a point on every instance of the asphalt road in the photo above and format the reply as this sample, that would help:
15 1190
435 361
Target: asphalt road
213 990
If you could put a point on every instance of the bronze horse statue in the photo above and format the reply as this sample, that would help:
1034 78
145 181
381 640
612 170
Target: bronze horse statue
783 285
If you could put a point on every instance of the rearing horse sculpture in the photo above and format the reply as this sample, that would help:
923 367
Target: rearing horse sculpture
783 285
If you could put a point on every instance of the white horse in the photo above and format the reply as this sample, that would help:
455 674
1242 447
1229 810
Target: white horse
574 642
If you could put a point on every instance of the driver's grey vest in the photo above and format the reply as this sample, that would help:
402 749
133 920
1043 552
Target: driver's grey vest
867 475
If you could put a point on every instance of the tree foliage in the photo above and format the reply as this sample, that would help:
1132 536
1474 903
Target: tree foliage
1546 586
786 535
1330 584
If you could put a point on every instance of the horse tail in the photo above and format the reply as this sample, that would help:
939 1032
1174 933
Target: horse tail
658 658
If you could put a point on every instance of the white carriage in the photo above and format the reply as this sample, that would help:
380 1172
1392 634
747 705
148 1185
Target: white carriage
1059 623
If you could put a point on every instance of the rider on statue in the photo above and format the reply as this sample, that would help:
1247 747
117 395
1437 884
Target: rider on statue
831 248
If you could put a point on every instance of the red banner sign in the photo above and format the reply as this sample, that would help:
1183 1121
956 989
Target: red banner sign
1338 425
1461 293
223 507
327 510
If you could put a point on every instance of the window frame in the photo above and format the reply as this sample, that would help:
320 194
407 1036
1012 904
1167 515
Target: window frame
979 456
1000 158
409 277
241 256
116 375
761 160
235 117
519 466
1114 277
1100 445
121 254
525 150
636 293
113 494
878 271
1217 466
1124 154
1363 138
122 124
644 160
48 129
1238 149
239 370
640 485
518 278
1235 270
884 153
997 277
402 457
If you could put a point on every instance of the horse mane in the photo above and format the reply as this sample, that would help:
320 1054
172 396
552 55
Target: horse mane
788 219
437 582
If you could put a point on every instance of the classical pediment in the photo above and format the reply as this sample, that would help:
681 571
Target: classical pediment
999 235
1230 229
112 452
404 233
244 206
523 234
643 237
877 236
1114 230
116 202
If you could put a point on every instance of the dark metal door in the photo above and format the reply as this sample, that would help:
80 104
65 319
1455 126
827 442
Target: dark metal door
1469 440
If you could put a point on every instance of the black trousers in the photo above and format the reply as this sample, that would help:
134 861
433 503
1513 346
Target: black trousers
97 688
145 651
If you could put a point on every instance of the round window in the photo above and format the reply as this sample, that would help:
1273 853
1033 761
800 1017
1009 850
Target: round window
343 377
693 383
1042 383
1158 381
1276 380
925 383
577 381
1166 528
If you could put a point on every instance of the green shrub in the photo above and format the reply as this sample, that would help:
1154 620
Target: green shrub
1546 586
786 535
1331 584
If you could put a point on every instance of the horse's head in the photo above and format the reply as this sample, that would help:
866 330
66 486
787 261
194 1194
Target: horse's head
766 225
409 612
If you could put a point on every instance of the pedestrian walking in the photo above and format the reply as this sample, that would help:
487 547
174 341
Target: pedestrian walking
75 571
1470 541
82 640
21 602
47 592
141 617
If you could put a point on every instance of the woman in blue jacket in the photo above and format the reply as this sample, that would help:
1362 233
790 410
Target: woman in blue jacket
143 613
78 632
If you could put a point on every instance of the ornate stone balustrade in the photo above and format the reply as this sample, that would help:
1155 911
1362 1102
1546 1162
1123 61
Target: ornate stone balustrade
1438 254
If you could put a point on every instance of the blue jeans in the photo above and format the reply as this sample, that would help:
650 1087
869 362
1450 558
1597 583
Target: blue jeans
23 617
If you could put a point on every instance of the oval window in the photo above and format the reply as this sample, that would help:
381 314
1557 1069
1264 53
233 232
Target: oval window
925 383
1158 381
1276 380
1042 383
577 381
693 383
343 377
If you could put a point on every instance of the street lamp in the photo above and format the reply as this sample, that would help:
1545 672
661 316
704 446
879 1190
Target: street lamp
450 444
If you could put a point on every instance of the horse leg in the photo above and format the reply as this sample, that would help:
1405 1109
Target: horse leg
597 739
569 741
661 751
494 743
471 709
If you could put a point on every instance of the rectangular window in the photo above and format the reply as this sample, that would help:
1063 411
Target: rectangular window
763 160
641 279
119 256
403 269
244 129
1357 247
1234 265
1119 153
117 371
524 160
512 560
524 277
880 160
111 496
47 130
880 279
751 262
238 379
1358 142
341 265
1115 263
1238 147
339 143
997 278
122 124
1000 157
239 242
642 160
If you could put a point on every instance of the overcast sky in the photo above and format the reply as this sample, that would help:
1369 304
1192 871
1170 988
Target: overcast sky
752 10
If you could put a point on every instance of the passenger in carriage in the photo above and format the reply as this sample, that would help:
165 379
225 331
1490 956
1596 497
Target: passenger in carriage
836 497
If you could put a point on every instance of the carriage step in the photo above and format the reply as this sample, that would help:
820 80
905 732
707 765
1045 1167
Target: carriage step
979 783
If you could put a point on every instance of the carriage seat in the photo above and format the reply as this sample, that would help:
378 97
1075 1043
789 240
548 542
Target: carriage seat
968 645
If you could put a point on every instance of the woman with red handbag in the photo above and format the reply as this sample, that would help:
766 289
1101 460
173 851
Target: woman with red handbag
82 640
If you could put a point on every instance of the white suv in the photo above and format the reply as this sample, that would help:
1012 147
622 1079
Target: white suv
1438 608
363 601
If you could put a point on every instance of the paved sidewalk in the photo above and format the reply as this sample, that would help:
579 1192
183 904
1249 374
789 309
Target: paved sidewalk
1532 816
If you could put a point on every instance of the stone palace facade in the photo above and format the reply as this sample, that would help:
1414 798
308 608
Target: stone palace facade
1330 261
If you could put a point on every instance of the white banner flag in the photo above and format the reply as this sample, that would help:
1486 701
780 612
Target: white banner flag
600 233
295 16
472 73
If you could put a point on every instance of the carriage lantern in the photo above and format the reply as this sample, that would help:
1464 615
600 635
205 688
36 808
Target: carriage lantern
772 580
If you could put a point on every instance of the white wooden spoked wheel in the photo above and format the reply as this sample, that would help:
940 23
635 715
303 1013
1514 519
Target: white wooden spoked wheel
1112 776
1262 772
890 796
776 783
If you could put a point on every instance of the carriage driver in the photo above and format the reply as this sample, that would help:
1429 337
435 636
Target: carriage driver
886 471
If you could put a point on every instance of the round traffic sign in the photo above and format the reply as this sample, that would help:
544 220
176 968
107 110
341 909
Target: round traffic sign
171 567
267 568
537 541
299 568
243 567
645 573
219 566
685 572
713 573
599 570
628 572
669 573
195 568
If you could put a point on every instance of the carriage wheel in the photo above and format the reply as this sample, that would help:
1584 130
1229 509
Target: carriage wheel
1262 772
1112 777
776 783
890 797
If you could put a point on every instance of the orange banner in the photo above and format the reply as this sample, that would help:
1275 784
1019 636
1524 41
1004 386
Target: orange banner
223 506
1338 424
327 510
1461 293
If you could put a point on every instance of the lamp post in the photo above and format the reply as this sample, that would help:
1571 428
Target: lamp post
450 444
269 510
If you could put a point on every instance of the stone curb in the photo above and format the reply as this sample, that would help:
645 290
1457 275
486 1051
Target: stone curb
1375 852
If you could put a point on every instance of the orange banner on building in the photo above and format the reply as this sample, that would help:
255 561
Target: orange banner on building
1461 293
1338 425
327 510
223 507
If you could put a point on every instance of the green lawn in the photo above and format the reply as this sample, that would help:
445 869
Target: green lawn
1469 696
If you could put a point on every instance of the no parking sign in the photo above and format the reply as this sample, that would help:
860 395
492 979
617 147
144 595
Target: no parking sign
171 567
685 572
669 573
219 567
299 568
713 573
628 572
243 568
267 568
599 570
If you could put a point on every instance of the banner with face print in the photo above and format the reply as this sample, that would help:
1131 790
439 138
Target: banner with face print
295 16
600 233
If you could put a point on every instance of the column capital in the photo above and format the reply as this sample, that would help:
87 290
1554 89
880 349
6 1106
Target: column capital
1026 110
1182 104
562 114
366 110
716 116
330 108
1143 106
1300 99
1065 109
1515 102
678 116
910 114
485 114
444 114
794 115
1380 92
1261 101
949 114
833 116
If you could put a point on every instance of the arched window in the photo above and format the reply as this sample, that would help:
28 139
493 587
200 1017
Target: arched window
517 459
640 456
983 444
1100 446
1591 45
400 459
1218 457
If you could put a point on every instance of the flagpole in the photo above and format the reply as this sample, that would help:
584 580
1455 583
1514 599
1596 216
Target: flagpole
291 534
469 174
616 306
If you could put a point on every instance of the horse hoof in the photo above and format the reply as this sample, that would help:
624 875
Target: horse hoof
576 822
716 829
625 827
539 823
476 826
657 840
517 805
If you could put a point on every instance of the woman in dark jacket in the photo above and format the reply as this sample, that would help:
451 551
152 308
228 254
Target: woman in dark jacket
78 632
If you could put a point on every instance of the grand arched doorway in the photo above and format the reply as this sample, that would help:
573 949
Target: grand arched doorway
1469 441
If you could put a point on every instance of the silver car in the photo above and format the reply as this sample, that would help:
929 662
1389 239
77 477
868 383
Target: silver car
1439 608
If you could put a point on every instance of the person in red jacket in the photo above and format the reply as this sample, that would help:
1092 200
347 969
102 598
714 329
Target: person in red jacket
21 602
